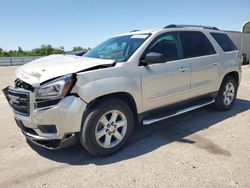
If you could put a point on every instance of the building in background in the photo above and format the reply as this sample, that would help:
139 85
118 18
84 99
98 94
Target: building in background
242 40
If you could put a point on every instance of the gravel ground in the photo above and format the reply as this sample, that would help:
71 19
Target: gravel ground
203 148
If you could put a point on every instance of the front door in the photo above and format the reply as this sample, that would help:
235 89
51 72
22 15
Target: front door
168 82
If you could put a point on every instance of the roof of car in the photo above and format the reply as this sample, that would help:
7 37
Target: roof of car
140 32
173 28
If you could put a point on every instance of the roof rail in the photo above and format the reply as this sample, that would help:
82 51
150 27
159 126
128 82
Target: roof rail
134 30
182 26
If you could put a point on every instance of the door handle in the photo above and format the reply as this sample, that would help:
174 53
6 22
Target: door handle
183 69
215 63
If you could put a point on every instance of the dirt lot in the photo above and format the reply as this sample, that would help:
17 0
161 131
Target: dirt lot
203 148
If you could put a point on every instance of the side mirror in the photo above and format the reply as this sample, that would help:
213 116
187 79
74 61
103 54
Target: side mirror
152 58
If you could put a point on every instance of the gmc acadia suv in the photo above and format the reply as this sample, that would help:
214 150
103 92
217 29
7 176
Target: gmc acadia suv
139 77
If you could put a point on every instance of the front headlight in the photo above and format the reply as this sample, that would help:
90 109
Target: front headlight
54 89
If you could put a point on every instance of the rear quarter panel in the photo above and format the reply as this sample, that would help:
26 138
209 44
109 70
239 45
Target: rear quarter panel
231 62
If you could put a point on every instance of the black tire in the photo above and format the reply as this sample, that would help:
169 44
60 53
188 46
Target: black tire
219 100
91 119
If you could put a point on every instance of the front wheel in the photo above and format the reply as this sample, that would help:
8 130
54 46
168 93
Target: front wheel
227 94
107 127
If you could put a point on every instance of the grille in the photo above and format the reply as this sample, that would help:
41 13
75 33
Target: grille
19 101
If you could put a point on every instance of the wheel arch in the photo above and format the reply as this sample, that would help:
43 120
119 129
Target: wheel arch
233 74
123 96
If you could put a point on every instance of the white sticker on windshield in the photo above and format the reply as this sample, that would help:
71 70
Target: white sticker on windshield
139 36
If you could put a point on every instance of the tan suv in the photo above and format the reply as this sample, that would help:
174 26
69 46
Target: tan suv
139 77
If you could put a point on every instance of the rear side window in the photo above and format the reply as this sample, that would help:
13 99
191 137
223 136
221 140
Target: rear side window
224 41
196 44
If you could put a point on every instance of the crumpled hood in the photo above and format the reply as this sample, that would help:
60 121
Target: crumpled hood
43 69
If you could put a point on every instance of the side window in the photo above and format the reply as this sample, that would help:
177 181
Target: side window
195 44
224 41
167 44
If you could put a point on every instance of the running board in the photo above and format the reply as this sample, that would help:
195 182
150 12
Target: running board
182 111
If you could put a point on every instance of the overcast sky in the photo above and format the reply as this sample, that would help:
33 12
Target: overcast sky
31 23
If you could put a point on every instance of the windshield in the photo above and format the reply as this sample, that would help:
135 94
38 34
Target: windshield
117 48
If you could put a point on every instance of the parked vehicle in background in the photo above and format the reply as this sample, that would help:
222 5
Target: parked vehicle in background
140 77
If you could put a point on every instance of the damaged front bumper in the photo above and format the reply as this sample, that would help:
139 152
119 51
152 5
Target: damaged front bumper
45 142
54 125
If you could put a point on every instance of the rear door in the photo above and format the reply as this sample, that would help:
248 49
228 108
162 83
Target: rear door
204 60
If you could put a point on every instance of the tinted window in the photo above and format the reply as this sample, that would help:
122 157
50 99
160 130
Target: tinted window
167 44
196 44
224 41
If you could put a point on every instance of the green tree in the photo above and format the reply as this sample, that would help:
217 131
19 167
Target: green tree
1 52
44 50
77 48
20 50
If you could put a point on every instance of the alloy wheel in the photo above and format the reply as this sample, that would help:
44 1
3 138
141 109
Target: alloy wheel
111 129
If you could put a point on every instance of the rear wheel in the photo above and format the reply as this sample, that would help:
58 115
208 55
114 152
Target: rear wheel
107 127
227 94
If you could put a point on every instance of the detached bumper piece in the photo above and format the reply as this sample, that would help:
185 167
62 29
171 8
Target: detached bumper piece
51 144
54 144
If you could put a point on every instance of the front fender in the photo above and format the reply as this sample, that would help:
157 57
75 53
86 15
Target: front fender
97 88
